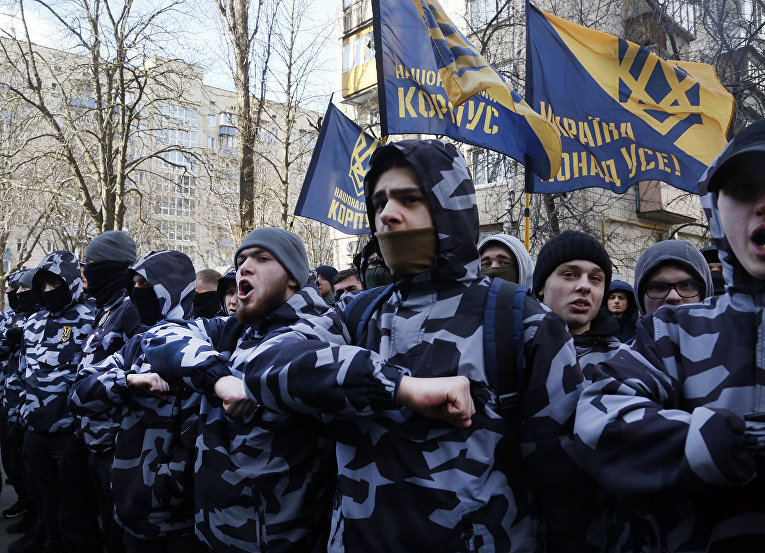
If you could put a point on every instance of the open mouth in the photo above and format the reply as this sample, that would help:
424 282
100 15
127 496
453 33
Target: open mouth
581 304
758 236
244 289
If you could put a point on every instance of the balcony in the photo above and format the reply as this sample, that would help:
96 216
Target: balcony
660 202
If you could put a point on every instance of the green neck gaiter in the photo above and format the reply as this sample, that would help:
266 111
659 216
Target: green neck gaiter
508 272
408 252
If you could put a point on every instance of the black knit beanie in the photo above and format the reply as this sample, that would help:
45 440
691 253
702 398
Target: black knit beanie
567 246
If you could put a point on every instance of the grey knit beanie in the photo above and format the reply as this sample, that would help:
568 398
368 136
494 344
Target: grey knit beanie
286 246
112 245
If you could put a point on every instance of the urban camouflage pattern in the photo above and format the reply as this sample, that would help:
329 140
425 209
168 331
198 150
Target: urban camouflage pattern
53 348
151 478
11 383
166 272
410 483
115 325
264 482
662 424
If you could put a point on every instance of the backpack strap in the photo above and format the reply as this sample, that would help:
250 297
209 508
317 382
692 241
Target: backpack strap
360 309
503 340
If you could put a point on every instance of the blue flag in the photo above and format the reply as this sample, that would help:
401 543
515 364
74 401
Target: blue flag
333 189
431 80
624 114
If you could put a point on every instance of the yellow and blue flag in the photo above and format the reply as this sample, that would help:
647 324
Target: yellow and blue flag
624 114
333 189
433 81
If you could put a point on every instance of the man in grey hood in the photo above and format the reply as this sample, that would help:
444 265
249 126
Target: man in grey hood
505 256
672 272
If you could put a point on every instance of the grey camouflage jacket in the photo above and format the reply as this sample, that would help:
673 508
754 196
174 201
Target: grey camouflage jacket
151 477
409 483
10 359
662 425
264 482
115 324
53 347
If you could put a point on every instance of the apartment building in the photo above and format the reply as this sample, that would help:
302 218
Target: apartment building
626 223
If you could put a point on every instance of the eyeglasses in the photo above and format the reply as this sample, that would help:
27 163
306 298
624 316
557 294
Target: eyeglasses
684 289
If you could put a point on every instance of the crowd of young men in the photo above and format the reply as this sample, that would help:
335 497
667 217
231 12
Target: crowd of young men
471 400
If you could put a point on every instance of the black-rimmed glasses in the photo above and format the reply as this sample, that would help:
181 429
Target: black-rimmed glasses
685 289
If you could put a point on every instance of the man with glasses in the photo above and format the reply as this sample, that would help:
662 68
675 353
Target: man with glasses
675 424
672 272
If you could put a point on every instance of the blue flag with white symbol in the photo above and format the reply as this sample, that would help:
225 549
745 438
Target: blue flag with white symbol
333 189
624 114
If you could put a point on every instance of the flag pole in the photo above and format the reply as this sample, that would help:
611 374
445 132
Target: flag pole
527 221
292 223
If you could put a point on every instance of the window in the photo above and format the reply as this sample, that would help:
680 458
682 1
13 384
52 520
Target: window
684 13
481 13
177 230
178 114
19 245
489 167
176 206
49 246
177 137
212 121
211 142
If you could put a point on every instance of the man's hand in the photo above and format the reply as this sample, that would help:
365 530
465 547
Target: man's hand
150 383
230 390
446 398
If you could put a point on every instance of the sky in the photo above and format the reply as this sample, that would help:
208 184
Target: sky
200 41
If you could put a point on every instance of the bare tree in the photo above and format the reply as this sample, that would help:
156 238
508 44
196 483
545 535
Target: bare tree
249 64
104 103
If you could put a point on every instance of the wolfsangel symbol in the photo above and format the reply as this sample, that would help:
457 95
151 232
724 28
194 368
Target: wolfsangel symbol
361 151
66 333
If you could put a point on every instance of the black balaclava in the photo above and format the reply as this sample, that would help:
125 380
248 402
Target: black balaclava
13 300
207 304
27 301
57 299
147 304
106 280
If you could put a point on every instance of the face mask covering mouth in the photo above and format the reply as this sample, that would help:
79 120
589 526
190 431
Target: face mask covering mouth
57 299
147 304
408 252
508 273
13 300
207 304
106 280
26 300
377 276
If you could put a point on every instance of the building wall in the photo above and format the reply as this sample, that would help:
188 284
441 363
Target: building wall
625 223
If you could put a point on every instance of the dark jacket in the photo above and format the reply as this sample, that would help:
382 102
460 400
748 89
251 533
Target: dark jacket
264 482
407 482
152 473
662 425
628 319
53 347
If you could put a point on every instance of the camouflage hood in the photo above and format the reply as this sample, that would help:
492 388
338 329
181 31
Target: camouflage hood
735 275
172 277
447 184
62 264
15 277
